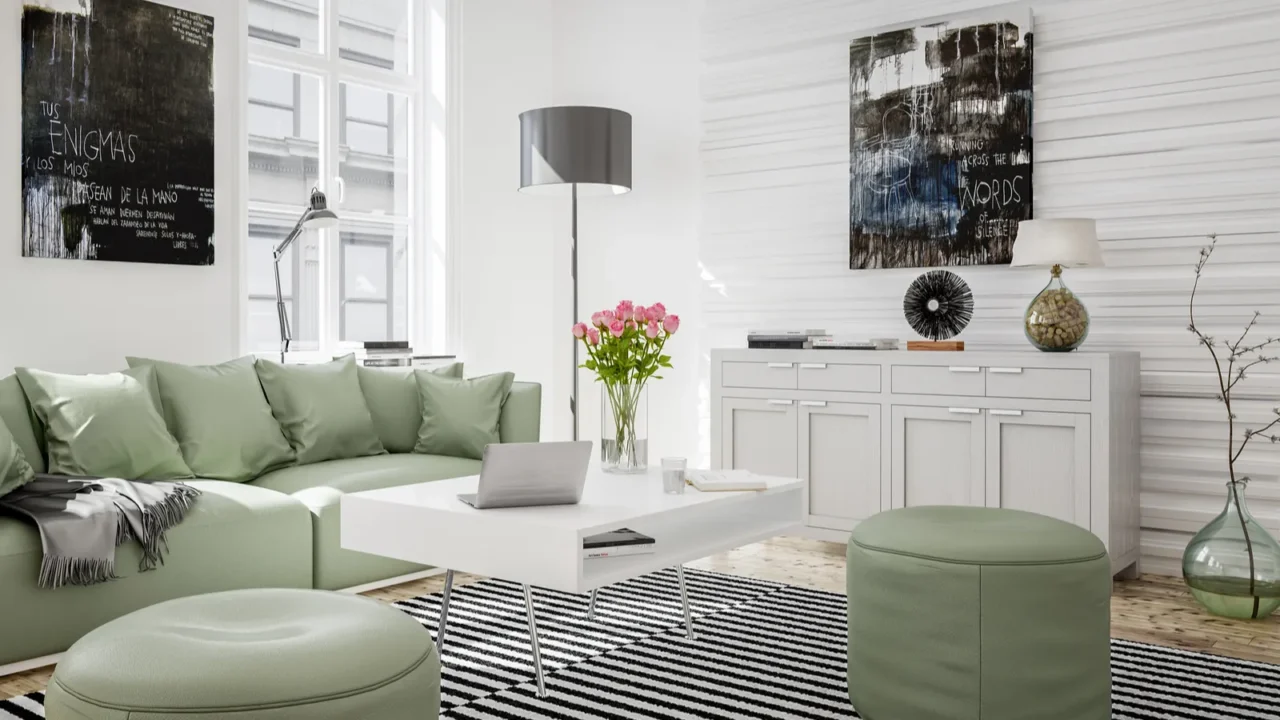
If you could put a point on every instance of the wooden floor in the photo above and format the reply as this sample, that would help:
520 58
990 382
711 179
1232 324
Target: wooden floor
1153 609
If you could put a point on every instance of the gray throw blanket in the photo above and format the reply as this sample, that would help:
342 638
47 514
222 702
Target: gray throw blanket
83 520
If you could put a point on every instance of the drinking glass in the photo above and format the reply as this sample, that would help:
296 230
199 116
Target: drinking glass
673 475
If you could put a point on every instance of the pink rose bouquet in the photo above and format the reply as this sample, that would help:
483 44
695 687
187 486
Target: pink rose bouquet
624 349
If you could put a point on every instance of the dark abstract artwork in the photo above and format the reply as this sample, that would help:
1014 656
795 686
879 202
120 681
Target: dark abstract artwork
117 132
940 142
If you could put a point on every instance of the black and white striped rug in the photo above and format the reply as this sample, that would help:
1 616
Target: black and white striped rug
764 650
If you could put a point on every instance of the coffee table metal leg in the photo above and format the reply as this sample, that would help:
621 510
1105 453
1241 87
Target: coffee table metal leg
533 642
591 607
444 611
684 600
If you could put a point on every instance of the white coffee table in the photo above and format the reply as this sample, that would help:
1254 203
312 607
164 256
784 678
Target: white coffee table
542 546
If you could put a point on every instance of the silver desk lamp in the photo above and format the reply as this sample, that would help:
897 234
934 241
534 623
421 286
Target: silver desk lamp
316 217
573 149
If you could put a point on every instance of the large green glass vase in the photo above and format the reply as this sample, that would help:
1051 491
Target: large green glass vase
1233 565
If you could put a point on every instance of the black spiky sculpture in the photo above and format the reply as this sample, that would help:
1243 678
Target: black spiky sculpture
938 305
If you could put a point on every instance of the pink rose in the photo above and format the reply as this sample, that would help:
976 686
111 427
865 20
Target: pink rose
580 330
671 323
624 310
639 314
651 330
616 327
631 324
597 320
593 336
656 311
607 316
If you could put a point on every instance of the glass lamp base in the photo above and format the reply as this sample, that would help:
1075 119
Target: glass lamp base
1056 320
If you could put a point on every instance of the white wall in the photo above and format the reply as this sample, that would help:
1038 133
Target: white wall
505 239
82 316
1160 118
635 55
641 56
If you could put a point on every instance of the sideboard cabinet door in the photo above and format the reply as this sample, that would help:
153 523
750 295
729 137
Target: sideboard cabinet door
1039 461
840 460
938 456
759 435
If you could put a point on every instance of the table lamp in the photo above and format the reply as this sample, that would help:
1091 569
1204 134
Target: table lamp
317 216
1056 320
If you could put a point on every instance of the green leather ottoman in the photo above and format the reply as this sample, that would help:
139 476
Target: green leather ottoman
966 613
251 655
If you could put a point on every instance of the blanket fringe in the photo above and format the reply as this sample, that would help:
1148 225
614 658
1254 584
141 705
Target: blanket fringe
58 571
157 521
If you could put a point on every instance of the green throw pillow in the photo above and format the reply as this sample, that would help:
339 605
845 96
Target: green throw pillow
14 470
104 425
220 418
321 409
460 417
392 396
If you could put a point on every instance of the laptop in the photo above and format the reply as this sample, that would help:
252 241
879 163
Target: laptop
530 474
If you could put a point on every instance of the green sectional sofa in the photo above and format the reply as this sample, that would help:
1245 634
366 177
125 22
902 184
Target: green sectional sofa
278 530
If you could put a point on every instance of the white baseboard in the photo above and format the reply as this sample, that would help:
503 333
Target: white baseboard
32 664
393 581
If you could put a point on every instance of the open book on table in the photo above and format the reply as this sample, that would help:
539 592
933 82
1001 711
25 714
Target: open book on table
724 480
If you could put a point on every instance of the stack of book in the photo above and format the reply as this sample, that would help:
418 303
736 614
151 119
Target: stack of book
617 543
385 353
783 339
837 342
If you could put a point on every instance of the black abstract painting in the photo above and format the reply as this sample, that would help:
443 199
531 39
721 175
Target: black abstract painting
117 132
940 142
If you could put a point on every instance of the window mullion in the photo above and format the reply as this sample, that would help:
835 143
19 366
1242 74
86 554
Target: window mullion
330 263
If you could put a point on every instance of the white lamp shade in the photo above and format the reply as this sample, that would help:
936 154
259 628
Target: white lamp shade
1072 242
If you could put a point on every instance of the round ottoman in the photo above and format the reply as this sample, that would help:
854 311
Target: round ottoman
252 654
969 612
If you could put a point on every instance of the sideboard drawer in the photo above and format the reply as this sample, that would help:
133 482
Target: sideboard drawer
938 380
843 377
1038 383
767 375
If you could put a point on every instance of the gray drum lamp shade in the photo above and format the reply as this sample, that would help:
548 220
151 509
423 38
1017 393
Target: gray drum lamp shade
571 145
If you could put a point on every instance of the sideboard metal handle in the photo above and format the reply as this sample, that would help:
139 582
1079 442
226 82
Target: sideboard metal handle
1005 371
965 411
964 369
813 366
1010 413
781 365
779 402
813 403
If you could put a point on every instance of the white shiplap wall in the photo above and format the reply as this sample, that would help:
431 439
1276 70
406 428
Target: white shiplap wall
1160 118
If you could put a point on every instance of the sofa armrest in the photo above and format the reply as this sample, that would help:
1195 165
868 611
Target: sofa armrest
521 419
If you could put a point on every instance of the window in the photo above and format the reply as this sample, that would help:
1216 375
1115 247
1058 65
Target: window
347 96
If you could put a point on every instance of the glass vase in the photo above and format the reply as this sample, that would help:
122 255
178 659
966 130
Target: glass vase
624 428
1233 565
1056 320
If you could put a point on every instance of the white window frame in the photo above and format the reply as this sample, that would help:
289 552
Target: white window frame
432 311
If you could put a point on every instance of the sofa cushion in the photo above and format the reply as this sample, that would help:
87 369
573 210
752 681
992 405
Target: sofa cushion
321 486
14 469
235 536
21 420
104 425
522 414
460 417
321 409
220 418
392 396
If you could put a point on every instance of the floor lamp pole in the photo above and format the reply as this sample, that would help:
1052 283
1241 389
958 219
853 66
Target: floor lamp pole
573 251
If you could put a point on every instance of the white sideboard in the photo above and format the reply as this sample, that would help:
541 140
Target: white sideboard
1053 433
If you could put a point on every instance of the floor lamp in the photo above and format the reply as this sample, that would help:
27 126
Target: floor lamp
575 150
